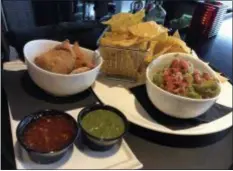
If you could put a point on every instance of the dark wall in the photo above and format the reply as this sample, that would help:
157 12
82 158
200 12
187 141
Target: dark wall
18 14
52 12
175 9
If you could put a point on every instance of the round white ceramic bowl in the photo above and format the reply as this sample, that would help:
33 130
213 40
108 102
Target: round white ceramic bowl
171 104
59 84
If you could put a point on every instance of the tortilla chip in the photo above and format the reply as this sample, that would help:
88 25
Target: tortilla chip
161 37
176 34
156 55
178 42
116 36
152 47
122 43
122 21
147 30
117 18
138 16
176 48
141 46
221 78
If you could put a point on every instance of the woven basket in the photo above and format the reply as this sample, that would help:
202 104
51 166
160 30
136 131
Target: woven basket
123 63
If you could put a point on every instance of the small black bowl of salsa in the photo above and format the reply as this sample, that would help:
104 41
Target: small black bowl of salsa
102 126
47 135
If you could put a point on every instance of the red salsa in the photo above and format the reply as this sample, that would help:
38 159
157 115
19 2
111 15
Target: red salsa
49 133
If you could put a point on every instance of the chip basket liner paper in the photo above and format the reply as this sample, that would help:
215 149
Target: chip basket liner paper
123 62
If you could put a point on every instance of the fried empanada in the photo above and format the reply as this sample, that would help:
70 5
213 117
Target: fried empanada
60 60
81 60
80 70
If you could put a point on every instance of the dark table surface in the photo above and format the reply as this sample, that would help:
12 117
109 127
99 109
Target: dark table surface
218 50
162 151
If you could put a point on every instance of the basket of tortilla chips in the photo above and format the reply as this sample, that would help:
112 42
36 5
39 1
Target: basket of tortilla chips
122 51
129 45
124 45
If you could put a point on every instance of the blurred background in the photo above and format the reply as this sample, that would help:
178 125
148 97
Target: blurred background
19 14
28 16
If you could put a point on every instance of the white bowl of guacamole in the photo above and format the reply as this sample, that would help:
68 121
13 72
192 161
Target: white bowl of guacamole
177 104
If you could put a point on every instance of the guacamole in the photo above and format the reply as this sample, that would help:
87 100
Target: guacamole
181 78
103 124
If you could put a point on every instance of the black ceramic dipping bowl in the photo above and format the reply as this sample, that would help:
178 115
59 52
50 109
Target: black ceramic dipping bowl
93 142
44 157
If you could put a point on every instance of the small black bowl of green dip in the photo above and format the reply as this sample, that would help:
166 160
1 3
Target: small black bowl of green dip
102 126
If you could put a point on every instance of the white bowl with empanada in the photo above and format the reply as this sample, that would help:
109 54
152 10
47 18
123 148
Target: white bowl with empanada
67 79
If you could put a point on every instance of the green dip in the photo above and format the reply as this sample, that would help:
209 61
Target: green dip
103 124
